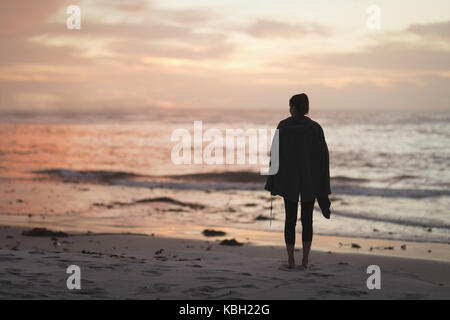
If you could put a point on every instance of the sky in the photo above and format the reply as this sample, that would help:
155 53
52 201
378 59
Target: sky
132 55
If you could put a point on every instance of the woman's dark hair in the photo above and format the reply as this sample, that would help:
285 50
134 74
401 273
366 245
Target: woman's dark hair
301 103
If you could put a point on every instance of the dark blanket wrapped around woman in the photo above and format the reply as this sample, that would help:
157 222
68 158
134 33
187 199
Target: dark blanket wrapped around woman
304 166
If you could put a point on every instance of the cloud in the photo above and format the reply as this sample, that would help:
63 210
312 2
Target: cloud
391 59
402 95
214 50
21 50
158 33
19 16
128 5
434 31
188 16
396 56
132 54
265 28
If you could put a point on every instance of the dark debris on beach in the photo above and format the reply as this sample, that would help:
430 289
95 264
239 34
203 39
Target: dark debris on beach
231 242
43 232
213 233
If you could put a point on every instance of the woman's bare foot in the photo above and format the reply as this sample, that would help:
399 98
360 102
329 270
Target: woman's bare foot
306 250
291 260
305 263
291 264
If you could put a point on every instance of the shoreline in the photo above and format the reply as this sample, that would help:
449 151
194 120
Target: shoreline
43 201
432 251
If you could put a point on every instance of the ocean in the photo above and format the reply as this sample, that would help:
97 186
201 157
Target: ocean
390 170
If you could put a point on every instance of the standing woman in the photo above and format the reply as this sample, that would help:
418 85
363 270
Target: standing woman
304 173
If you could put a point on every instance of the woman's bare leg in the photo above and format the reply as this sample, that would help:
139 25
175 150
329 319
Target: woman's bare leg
290 252
307 229
306 250
291 208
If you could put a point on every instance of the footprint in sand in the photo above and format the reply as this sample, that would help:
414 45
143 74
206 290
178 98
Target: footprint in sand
17 286
326 292
9 258
196 266
225 270
352 293
306 280
34 275
117 265
343 291
37 252
299 267
5 283
201 291
156 288
414 296
98 266
14 271
283 268
162 266
45 283
52 257
230 295
313 267
153 273
215 279
87 281
92 292
321 275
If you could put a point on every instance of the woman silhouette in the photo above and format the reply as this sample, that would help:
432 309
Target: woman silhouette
303 173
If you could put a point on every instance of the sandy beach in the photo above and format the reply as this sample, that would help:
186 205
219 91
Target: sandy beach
127 266
128 248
